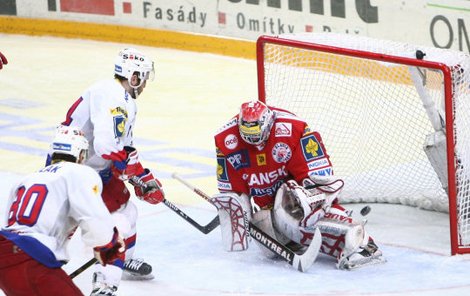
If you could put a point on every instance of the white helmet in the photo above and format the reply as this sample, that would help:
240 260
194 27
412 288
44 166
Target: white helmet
255 122
130 61
70 141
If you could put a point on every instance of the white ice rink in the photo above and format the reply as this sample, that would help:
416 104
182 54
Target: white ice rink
193 94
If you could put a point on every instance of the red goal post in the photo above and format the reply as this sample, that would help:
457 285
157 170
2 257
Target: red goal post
395 117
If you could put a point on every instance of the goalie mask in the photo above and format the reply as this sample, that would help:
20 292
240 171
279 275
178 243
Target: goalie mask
255 122
130 61
70 140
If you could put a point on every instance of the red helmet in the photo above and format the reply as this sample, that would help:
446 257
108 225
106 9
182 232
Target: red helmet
255 122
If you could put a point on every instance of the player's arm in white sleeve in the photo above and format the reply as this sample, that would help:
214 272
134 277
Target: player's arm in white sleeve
87 207
108 125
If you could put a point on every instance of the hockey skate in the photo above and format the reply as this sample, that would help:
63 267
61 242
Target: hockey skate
364 256
137 270
100 288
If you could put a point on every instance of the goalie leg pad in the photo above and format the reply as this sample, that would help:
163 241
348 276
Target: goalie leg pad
340 234
347 240
263 220
234 214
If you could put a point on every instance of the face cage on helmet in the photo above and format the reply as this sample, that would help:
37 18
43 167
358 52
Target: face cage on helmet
250 135
143 76
248 129
251 132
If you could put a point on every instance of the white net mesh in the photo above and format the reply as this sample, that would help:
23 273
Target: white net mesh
371 116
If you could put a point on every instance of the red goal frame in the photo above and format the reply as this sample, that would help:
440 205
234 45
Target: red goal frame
451 165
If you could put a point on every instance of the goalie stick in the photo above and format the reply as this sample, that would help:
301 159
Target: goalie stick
301 262
83 268
202 228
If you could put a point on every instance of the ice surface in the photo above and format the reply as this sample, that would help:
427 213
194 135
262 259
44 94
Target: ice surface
192 96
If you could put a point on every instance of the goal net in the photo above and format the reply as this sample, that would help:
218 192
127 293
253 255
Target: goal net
395 118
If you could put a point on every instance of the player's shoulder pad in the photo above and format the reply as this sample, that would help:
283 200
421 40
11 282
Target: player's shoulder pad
81 170
230 124
109 89
286 115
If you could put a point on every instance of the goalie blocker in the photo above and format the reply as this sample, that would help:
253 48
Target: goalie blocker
300 218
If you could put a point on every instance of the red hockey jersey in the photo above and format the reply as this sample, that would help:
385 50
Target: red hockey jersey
292 151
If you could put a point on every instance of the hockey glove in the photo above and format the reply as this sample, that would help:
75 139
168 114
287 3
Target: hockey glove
148 188
129 165
111 252
3 60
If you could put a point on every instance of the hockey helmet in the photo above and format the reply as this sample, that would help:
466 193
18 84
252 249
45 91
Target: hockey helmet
130 61
70 141
255 122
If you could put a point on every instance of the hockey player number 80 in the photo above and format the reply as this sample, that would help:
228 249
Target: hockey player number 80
27 205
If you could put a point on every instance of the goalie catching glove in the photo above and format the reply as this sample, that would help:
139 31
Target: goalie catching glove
307 206
111 252
148 188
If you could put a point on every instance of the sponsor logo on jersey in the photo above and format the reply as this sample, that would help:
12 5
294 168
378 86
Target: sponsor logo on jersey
318 163
231 141
119 120
259 179
261 159
321 172
118 111
271 190
239 159
119 126
311 148
224 186
221 169
283 129
281 152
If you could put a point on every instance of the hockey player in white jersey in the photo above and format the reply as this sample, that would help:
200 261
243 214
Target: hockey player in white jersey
106 113
43 212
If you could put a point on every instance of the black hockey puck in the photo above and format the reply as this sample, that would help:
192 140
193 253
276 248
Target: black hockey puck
419 54
365 210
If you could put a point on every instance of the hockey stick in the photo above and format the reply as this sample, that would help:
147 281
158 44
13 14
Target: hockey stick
202 228
83 267
301 262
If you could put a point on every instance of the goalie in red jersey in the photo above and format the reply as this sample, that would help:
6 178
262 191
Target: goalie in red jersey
272 166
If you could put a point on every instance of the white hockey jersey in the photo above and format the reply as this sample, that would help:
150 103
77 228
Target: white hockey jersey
45 208
106 113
